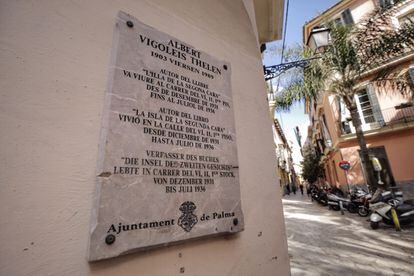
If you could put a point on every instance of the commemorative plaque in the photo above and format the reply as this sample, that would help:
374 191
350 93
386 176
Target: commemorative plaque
167 169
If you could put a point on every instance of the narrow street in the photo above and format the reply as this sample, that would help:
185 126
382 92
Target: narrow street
323 242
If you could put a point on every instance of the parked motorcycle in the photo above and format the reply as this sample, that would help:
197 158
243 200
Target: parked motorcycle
383 209
318 194
359 202
335 202
322 197
336 198
363 209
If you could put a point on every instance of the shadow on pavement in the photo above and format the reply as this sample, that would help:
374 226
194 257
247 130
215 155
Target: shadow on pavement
323 242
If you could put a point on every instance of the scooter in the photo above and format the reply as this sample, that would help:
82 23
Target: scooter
363 209
322 197
314 193
359 202
335 202
382 211
338 201
319 195
358 199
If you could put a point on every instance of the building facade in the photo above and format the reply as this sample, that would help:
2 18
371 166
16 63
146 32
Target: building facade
288 180
387 116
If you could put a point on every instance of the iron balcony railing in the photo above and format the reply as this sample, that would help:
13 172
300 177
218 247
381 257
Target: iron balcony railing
387 4
403 113
398 114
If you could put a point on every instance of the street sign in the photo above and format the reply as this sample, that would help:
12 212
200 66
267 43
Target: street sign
345 165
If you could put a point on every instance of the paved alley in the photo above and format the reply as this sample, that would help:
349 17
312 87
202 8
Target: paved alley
323 242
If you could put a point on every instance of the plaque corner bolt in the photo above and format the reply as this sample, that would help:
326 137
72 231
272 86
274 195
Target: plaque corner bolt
225 67
235 221
110 239
130 23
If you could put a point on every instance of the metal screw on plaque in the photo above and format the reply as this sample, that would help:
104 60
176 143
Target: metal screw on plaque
110 239
130 24
225 67
235 221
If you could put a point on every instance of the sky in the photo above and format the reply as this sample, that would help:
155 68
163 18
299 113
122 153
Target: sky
300 11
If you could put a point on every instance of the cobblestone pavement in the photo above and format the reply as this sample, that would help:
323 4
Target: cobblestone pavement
324 242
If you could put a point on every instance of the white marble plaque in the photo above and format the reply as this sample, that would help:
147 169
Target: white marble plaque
167 169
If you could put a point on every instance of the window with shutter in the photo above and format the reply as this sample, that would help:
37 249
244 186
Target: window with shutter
365 107
411 74
369 107
344 116
338 21
376 108
347 17
386 3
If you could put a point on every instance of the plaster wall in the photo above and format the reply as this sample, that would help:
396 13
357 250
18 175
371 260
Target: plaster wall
399 147
360 9
55 57
330 108
336 174
388 96
387 101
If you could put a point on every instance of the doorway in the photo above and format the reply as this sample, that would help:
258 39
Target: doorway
386 172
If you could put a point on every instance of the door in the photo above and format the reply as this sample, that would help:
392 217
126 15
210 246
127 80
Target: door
386 172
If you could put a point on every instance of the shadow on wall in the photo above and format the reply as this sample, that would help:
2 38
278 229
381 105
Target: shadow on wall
403 113
354 174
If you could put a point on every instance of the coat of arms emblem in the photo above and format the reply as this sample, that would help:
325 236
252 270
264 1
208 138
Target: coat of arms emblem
187 220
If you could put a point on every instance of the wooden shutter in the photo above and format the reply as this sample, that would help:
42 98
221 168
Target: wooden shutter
411 74
386 3
376 109
347 17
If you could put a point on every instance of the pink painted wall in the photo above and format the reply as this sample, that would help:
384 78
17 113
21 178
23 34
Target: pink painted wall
341 180
399 147
355 175
400 151
331 114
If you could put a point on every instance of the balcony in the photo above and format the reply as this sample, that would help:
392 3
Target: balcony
387 4
401 114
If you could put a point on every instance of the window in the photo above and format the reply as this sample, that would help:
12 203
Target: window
386 3
367 114
338 21
326 134
347 17
411 74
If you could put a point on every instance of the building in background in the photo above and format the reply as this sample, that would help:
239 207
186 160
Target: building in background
285 168
387 116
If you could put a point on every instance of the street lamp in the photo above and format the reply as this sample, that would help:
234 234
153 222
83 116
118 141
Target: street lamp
318 39
274 71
